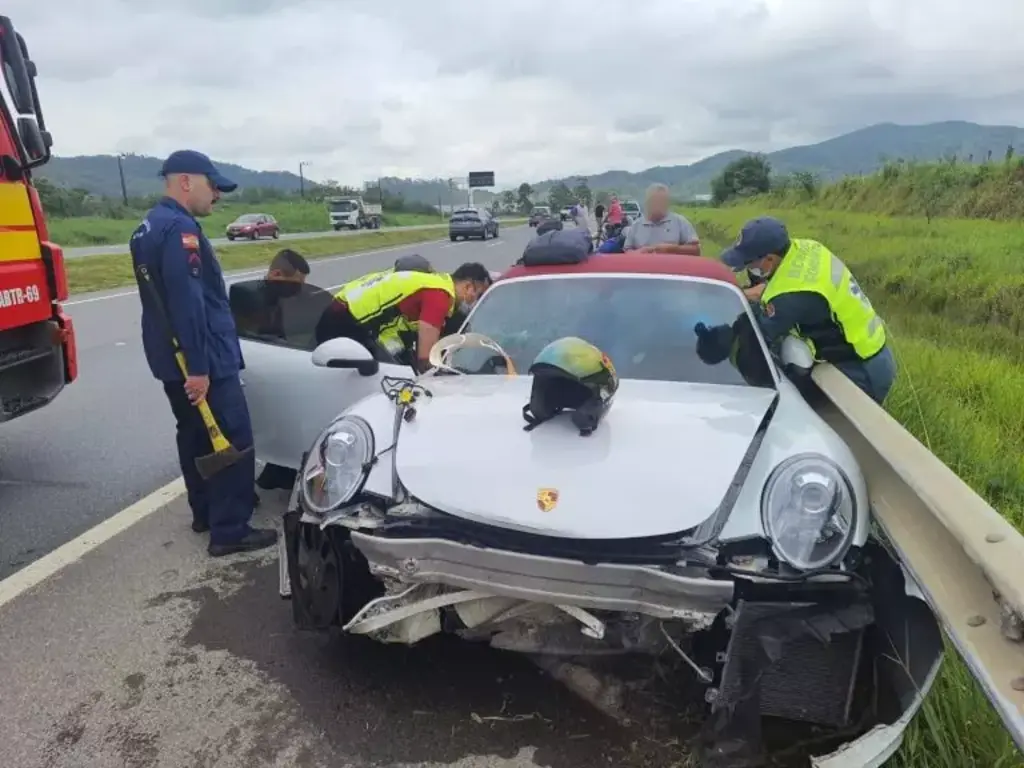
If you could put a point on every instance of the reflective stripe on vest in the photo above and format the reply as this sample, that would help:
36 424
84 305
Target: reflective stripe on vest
373 299
810 266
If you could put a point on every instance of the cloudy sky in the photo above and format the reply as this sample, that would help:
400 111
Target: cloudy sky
530 89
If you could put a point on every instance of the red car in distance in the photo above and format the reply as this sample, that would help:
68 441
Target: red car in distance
253 226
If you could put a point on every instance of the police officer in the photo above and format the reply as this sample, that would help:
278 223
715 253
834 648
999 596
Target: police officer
170 242
803 288
396 309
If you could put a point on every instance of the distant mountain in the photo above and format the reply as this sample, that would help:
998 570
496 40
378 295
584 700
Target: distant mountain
861 151
98 174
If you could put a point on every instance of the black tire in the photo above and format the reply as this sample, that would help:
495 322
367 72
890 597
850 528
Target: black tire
254 235
231 237
276 234
454 238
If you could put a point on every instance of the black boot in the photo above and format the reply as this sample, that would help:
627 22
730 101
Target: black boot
255 539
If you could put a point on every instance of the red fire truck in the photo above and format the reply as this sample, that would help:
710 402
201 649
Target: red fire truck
37 340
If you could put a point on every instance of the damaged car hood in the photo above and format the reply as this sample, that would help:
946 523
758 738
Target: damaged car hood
660 462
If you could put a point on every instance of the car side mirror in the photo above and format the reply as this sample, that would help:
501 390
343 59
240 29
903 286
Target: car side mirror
796 355
344 352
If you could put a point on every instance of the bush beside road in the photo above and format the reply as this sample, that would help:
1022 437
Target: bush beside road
952 294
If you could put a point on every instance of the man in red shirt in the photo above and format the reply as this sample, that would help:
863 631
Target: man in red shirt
390 312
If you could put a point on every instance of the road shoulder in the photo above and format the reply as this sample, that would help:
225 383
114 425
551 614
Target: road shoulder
145 652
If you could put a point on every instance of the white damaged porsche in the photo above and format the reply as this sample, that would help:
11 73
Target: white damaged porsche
712 516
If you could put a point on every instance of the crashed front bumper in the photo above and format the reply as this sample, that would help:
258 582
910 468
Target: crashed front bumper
535 578
905 641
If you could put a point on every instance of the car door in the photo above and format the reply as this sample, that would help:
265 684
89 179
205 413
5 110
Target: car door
290 399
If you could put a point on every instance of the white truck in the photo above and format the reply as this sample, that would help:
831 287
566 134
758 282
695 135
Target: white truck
354 213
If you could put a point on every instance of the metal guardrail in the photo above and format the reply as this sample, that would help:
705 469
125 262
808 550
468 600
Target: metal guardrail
966 558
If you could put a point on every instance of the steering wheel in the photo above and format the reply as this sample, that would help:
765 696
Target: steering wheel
442 351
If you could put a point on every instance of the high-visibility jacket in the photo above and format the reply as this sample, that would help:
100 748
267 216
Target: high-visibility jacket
373 301
855 327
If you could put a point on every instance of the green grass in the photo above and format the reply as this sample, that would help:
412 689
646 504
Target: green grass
989 190
952 293
294 216
96 273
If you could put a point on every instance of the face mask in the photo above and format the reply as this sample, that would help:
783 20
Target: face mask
756 272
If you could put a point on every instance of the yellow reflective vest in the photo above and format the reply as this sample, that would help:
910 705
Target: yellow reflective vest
373 301
811 267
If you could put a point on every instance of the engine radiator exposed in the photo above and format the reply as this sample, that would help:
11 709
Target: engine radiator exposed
804 659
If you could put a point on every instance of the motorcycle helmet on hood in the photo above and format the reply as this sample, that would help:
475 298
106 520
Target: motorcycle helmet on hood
571 374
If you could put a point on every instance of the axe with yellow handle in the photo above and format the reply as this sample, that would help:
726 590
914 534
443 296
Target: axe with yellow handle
224 453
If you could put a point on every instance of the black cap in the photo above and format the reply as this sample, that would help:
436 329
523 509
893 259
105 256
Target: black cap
758 238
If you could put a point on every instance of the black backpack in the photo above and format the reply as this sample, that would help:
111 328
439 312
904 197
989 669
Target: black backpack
560 246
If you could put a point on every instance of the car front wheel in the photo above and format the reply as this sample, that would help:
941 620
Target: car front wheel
276 234
254 235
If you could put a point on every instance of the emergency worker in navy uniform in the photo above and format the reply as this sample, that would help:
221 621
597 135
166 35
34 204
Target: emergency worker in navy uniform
171 243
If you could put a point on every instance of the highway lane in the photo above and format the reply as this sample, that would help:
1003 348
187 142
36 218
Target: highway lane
145 652
107 441
102 250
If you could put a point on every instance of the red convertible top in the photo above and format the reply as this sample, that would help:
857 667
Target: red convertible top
635 263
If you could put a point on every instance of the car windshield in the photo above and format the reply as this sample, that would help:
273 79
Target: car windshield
645 324
541 210
343 206
631 206
249 218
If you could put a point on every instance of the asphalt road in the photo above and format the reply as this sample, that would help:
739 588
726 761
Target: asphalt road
101 250
146 653
108 440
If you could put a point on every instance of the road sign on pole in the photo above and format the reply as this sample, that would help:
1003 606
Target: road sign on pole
481 179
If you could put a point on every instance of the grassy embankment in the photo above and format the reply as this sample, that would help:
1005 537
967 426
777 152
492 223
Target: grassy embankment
952 292
95 273
293 217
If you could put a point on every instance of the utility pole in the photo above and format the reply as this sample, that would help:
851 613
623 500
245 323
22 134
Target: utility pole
451 196
380 191
302 179
120 172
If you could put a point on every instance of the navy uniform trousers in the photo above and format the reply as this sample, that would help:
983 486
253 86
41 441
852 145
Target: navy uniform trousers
224 501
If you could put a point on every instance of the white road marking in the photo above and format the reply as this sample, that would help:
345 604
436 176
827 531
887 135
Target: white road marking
47 566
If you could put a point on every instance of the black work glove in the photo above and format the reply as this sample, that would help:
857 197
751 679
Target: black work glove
713 344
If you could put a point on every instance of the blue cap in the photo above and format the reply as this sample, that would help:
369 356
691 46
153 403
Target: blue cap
190 161
758 238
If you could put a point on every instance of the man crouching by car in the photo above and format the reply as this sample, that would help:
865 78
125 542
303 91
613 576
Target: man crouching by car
396 311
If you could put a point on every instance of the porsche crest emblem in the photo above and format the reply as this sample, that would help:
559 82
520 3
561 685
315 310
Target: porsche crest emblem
547 499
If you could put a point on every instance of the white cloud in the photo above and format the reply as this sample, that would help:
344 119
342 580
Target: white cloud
527 88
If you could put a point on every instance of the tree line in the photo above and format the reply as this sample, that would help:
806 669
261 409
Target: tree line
65 203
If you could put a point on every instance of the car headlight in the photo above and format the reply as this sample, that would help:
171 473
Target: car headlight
337 465
809 512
